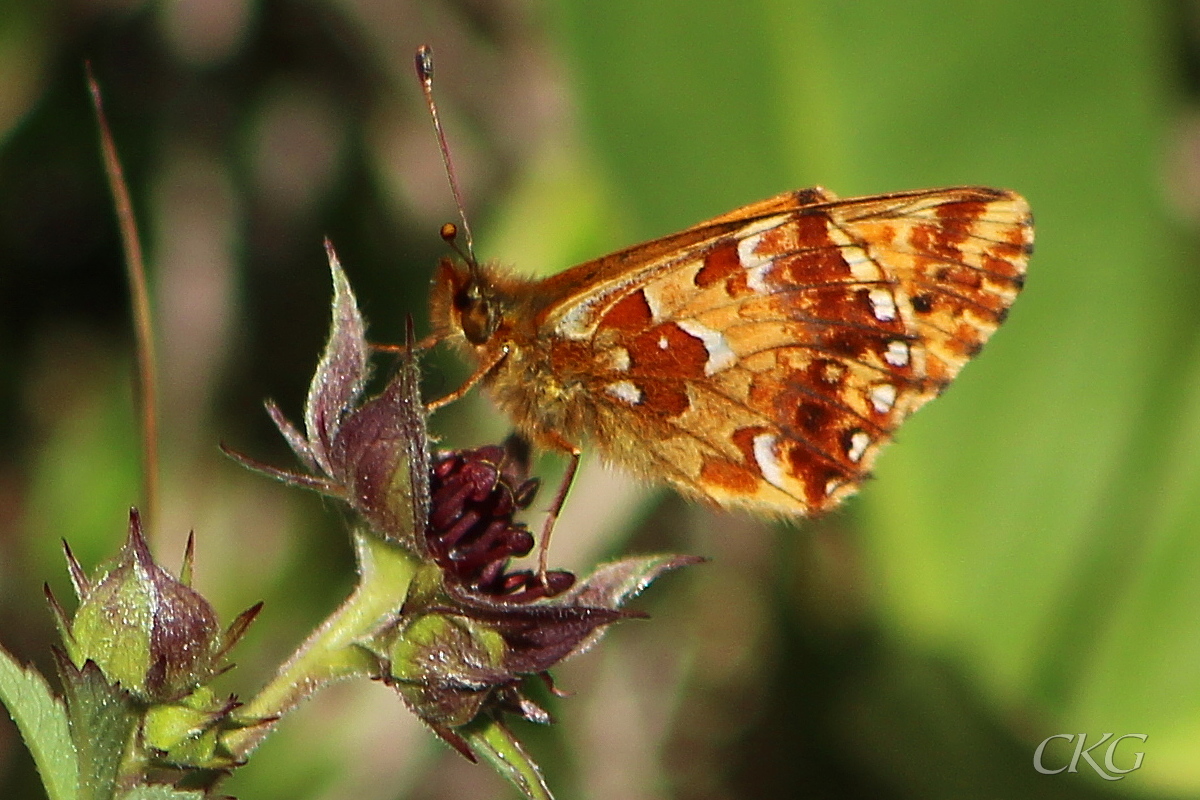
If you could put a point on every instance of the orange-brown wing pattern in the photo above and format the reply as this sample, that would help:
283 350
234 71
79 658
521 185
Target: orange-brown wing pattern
764 361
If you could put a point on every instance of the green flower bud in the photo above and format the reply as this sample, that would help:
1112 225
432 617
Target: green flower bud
444 666
145 629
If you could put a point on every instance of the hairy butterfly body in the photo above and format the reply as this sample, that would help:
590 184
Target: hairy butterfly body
760 359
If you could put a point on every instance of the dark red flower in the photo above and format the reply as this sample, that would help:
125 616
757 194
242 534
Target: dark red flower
472 535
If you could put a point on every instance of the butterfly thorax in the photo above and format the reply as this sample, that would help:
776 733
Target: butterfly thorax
492 314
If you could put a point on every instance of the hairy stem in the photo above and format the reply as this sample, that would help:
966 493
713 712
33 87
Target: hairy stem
332 653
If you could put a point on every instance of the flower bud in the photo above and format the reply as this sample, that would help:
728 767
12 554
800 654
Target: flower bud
145 629
445 666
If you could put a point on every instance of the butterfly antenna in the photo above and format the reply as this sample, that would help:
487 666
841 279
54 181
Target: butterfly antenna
424 62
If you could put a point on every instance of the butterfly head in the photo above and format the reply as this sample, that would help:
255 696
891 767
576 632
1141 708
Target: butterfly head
464 301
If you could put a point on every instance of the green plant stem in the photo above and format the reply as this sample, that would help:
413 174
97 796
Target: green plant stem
496 743
134 764
332 652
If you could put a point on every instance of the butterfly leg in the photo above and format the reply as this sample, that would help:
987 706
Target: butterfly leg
479 374
560 497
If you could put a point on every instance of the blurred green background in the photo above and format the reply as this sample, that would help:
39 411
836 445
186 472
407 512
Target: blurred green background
1027 562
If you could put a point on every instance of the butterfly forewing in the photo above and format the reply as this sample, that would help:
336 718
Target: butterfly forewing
762 358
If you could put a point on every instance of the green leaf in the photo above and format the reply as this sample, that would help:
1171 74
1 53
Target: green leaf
101 720
489 738
42 720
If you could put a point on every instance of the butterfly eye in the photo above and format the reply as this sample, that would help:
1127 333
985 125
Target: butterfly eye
474 314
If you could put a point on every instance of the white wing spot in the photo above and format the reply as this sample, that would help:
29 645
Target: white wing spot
749 238
746 255
757 266
720 354
882 304
832 485
767 460
883 397
615 359
662 343
625 391
897 353
756 278
862 268
858 446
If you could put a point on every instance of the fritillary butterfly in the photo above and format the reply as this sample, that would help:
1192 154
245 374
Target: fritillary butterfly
760 359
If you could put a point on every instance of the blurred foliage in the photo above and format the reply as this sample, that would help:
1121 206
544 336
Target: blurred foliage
1026 563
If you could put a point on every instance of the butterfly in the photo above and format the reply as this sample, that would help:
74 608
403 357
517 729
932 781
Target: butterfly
760 359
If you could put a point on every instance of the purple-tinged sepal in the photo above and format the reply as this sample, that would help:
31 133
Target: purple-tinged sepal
373 454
